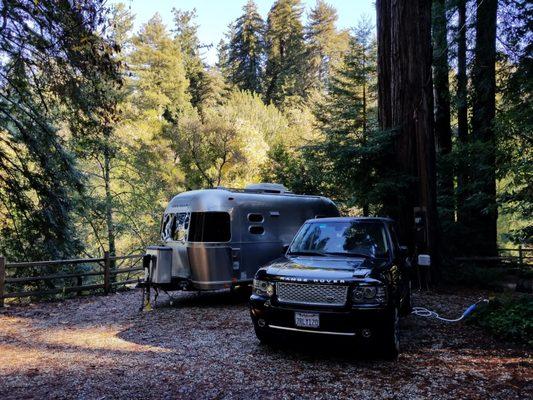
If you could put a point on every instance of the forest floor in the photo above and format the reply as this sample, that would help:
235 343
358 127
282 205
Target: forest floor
204 347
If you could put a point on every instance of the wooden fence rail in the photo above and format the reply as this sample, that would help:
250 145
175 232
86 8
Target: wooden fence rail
520 256
523 257
102 267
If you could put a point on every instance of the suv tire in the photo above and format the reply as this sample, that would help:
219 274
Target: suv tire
406 305
390 342
263 336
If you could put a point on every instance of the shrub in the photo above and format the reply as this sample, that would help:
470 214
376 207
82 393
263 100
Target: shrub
473 275
509 318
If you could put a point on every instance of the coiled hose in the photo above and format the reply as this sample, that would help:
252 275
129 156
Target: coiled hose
424 312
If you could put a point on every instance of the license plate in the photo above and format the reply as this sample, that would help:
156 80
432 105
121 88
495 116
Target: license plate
307 320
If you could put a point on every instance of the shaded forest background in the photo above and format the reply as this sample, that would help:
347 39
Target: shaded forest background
101 125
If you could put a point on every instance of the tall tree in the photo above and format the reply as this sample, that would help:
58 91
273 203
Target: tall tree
462 112
143 171
186 34
94 140
246 50
514 122
51 77
347 119
324 43
159 65
222 59
483 112
404 48
383 28
443 133
285 51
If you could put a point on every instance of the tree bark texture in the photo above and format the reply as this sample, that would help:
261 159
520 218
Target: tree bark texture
406 106
485 213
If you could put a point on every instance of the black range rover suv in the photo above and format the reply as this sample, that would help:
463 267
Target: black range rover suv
340 277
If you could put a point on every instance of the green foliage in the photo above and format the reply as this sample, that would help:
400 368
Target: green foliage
299 171
325 45
100 126
285 51
509 318
515 158
213 148
158 64
246 48
349 160
186 36
473 275
49 80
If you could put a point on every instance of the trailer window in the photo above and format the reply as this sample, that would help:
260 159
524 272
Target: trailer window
167 227
255 217
256 230
181 226
213 226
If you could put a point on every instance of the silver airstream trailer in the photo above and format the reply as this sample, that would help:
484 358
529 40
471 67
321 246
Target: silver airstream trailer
218 238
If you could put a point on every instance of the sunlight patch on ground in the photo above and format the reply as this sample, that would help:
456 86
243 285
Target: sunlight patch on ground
42 344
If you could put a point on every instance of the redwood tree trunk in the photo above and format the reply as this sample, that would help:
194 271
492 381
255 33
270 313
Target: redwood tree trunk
384 63
405 90
485 213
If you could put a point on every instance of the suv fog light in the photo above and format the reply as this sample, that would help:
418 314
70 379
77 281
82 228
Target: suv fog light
261 322
366 333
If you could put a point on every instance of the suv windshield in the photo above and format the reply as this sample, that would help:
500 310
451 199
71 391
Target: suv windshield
350 238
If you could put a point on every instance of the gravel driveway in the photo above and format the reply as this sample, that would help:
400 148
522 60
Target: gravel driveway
204 347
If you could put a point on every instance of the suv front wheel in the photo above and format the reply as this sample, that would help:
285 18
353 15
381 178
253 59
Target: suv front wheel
263 336
390 341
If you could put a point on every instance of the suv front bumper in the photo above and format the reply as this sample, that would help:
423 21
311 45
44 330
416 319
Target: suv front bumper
346 321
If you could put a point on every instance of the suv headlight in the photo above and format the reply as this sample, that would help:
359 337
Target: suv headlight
263 288
369 294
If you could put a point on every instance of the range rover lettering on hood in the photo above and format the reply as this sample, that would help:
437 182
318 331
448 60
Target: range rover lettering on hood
293 279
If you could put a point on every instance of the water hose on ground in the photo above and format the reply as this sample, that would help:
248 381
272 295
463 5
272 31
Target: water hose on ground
424 312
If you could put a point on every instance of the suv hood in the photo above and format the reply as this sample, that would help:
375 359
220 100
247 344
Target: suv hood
320 268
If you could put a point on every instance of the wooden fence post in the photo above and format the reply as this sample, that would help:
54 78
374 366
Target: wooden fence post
2 279
79 282
107 269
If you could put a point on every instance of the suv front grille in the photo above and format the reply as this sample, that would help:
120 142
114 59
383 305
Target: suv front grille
301 293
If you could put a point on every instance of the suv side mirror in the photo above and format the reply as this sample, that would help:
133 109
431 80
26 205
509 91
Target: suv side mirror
404 251
285 248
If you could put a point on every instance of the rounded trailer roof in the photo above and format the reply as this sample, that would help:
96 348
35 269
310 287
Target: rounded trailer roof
223 199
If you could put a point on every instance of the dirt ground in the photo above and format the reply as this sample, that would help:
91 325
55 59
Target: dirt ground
203 347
